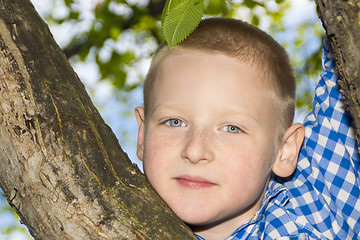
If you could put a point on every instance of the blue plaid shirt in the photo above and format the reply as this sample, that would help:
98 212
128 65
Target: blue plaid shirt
322 200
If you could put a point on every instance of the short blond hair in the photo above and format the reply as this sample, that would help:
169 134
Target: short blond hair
246 43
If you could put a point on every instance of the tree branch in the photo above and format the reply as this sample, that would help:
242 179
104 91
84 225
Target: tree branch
61 167
341 20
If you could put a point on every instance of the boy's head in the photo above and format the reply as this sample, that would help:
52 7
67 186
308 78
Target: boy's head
217 123
247 43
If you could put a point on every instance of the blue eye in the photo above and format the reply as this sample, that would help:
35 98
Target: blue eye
175 123
232 129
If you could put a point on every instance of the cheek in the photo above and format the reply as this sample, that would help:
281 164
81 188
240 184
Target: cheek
158 155
246 174
249 164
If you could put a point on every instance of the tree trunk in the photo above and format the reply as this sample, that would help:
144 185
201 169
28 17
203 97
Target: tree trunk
341 20
61 166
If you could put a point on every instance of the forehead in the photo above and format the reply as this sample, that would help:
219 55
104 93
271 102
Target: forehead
204 77
182 56
204 66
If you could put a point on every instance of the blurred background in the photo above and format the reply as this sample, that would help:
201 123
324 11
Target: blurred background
110 43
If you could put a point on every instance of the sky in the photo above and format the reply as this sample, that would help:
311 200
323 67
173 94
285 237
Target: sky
103 93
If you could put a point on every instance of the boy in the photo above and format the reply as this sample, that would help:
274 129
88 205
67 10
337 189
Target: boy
217 125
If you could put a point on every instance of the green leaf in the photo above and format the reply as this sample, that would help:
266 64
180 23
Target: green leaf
169 5
181 18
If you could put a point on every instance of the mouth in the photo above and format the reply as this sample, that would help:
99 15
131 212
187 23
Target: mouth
194 182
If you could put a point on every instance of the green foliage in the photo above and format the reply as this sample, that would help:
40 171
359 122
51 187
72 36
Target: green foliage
251 4
180 18
307 62
217 8
69 2
115 67
109 26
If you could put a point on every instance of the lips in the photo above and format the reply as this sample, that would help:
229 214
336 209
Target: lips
194 182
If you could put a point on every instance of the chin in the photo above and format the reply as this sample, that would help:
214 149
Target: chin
196 219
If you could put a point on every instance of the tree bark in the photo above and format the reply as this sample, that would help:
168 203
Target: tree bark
61 166
341 20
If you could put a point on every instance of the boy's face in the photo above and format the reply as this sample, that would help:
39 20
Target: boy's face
208 140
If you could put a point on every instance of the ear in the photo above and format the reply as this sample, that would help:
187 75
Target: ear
287 157
140 118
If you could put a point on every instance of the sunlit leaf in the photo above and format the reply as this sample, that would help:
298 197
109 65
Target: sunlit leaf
170 4
181 19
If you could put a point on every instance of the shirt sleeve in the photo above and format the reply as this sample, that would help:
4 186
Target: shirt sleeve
327 177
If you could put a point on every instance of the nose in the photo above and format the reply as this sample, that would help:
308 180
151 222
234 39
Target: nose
197 147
